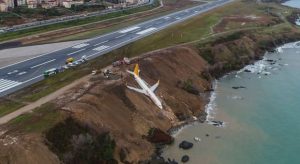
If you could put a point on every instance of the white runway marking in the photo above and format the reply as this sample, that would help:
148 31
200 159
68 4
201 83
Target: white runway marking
75 52
120 36
146 31
22 73
7 84
100 48
129 29
178 18
43 63
12 72
101 43
80 45
166 17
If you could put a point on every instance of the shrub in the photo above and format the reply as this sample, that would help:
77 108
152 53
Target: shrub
74 143
188 86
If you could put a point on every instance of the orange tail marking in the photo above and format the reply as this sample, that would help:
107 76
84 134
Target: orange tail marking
136 70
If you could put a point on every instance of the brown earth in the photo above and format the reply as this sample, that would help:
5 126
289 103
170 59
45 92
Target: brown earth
245 21
109 106
106 105
25 149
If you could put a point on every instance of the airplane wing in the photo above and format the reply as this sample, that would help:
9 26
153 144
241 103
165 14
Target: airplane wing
137 90
153 88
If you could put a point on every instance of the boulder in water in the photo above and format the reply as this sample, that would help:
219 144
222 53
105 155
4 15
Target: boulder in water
217 123
238 87
185 158
171 161
185 145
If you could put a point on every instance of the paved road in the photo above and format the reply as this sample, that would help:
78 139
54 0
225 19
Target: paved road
70 18
25 73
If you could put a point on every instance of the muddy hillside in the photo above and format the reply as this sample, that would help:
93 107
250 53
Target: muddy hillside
108 106
105 122
102 121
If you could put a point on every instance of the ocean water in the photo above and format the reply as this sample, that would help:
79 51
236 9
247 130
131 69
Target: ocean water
262 121
292 3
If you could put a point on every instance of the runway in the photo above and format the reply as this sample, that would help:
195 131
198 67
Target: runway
19 75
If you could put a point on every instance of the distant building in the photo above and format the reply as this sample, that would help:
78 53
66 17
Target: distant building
3 6
69 3
20 2
32 3
10 3
47 4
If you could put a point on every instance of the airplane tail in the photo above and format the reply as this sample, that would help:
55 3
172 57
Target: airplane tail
136 70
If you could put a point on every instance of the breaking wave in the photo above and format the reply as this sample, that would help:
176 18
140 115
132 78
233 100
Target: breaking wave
209 108
257 67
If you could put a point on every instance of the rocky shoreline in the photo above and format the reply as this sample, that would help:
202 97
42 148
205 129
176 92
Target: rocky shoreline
272 45
135 130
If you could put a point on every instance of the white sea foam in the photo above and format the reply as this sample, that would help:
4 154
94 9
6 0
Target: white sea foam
214 124
257 67
209 108
236 97
279 50
180 129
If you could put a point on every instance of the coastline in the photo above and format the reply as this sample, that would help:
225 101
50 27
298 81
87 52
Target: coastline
233 111
183 70
209 107
284 3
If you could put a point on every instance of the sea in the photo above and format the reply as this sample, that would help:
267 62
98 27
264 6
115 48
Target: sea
260 108
292 3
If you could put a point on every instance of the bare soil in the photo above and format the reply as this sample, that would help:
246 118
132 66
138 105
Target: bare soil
244 21
109 106
106 105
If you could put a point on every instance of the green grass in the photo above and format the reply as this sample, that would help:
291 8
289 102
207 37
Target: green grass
53 83
191 30
39 120
8 106
36 30
96 32
187 31
184 32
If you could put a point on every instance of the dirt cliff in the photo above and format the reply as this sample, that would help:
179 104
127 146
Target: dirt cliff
108 106
105 106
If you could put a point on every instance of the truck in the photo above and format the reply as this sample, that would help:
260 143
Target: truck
51 72
69 60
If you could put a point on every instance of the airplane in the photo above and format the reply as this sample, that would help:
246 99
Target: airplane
145 88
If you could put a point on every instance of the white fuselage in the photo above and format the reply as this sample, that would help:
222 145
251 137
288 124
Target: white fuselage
148 91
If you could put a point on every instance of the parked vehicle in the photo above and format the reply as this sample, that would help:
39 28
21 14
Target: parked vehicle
51 72
69 60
